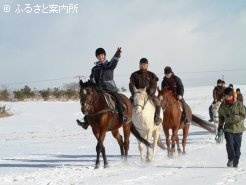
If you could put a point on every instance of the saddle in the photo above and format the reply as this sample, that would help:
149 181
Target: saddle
109 100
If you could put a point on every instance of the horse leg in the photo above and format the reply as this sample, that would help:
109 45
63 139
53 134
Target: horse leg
185 135
140 147
99 149
174 139
104 157
166 131
178 146
149 137
126 131
155 139
118 137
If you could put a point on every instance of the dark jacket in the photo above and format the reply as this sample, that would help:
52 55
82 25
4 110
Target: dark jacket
142 79
103 74
218 93
232 117
174 84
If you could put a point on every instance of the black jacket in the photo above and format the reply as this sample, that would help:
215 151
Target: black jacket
103 74
141 79
174 83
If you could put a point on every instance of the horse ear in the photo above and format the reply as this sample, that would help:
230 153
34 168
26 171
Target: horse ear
135 89
158 89
80 83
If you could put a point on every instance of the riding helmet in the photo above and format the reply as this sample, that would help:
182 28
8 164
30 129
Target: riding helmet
100 51
168 70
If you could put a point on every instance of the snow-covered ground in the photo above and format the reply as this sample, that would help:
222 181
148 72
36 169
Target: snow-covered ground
42 144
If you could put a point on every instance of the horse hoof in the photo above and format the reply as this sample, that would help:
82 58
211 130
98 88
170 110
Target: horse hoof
106 165
148 160
124 158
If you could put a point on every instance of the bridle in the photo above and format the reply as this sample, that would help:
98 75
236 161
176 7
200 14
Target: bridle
164 108
85 101
145 101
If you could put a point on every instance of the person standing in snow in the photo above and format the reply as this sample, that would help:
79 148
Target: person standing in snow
231 121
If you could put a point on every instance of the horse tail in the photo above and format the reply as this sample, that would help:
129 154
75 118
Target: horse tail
138 136
161 144
204 124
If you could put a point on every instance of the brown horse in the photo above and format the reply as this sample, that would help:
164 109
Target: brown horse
173 119
102 118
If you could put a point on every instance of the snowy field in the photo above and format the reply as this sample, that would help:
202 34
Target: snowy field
42 144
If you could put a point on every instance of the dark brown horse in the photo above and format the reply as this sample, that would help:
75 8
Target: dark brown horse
102 118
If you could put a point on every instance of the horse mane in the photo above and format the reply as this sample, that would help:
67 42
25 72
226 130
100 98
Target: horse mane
142 91
166 91
89 84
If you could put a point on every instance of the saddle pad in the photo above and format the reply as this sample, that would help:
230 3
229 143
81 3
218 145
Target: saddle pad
109 100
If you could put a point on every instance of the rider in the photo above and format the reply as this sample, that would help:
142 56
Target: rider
144 78
102 75
218 95
239 95
174 83
234 92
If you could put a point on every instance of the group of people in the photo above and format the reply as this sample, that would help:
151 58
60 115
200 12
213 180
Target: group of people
102 74
228 113
218 95
227 109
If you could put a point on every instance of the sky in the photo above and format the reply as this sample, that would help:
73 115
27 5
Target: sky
201 40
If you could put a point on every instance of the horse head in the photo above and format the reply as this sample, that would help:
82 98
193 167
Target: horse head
139 100
164 96
88 96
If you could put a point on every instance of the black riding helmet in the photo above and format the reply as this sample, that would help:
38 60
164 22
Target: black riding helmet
168 70
100 51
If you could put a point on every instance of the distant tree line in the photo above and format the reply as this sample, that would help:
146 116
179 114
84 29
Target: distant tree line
26 93
69 92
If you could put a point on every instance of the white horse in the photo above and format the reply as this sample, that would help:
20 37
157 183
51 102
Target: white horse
143 113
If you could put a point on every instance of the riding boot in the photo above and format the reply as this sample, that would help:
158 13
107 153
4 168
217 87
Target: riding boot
186 113
158 119
124 118
121 109
84 124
